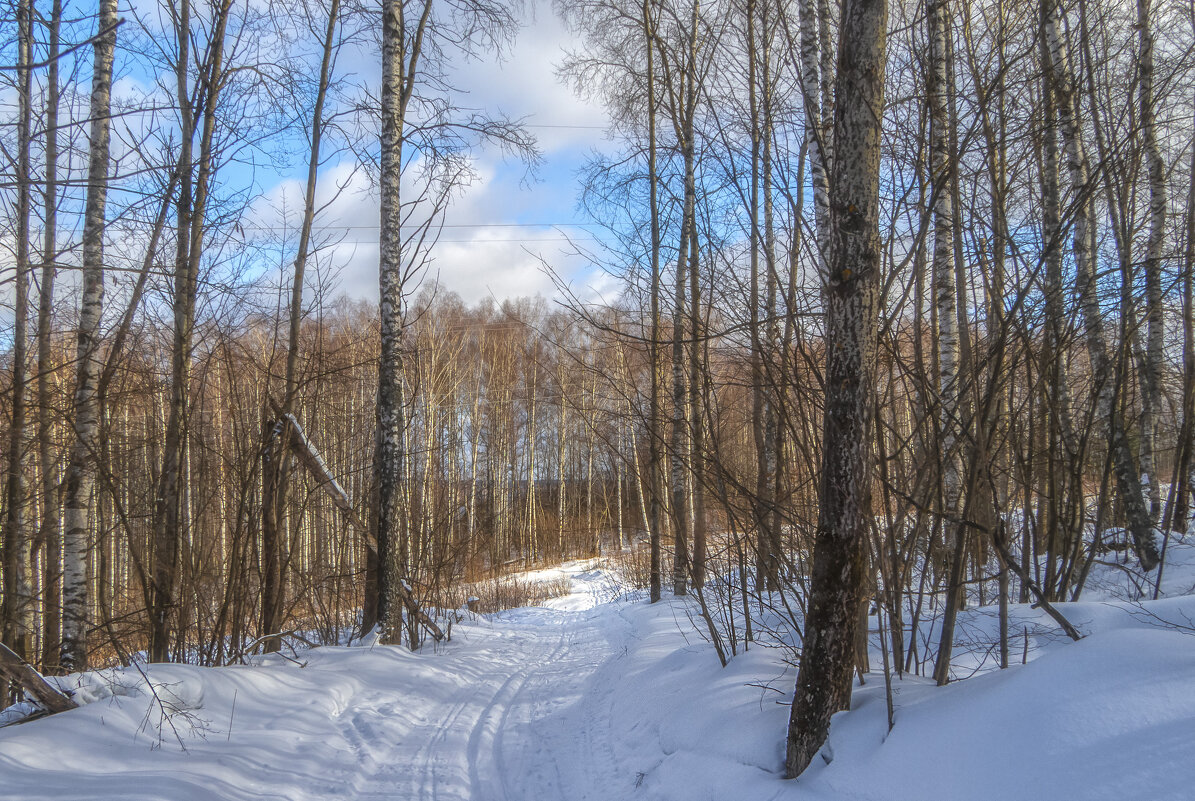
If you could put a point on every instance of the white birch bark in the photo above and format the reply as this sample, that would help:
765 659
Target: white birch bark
942 172
51 528
18 608
1107 417
811 84
1151 380
80 476
654 422
401 50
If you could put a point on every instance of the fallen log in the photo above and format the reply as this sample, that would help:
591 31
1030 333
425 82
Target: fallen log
17 671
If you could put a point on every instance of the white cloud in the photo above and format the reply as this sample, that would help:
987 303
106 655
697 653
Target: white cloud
488 246
524 85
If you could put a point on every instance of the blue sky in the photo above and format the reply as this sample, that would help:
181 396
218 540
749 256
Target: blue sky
497 231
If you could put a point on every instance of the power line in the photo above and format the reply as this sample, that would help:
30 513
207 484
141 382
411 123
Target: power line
376 226
571 127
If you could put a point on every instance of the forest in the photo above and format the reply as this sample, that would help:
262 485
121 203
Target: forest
903 327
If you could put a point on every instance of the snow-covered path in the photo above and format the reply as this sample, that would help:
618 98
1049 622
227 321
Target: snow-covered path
511 717
517 706
619 700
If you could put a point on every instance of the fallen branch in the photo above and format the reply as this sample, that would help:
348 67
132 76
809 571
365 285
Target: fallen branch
19 672
1010 564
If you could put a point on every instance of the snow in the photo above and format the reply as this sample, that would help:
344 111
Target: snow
598 695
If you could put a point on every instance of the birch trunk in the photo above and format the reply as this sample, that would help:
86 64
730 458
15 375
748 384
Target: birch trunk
943 182
1107 417
765 578
530 543
18 606
771 343
697 419
654 434
51 529
561 456
811 86
852 309
1180 515
677 444
1151 378
400 59
80 475
683 120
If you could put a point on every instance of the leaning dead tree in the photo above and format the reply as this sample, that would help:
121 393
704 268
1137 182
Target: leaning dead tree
289 434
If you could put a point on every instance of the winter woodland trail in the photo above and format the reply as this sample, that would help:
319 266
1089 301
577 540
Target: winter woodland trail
594 698
517 706
525 710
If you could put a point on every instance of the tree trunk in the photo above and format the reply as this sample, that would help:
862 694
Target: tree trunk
654 432
170 514
50 534
80 476
275 484
852 308
1107 417
398 82
943 179
1152 374
811 87
1181 512
18 609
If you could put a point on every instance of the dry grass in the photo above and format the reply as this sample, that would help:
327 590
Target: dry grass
497 594
633 566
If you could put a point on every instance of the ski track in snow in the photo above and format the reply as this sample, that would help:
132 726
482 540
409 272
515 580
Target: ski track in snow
512 727
526 706
512 709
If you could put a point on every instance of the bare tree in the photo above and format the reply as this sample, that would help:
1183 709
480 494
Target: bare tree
852 311
80 471
197 111
50 534
1151 378
1128 477
17 618
275 489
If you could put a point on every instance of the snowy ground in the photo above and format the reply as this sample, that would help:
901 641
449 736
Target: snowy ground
593 697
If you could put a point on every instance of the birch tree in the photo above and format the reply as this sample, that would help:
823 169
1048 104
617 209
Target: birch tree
80 476
17 618
1155 322
1108 417
851 318
50 533
417 38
